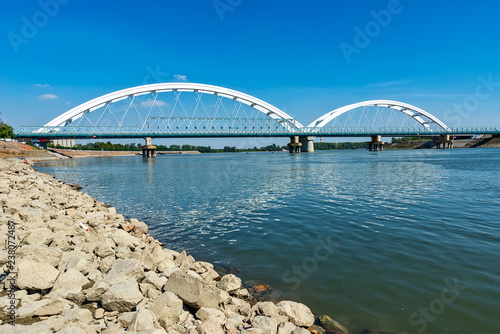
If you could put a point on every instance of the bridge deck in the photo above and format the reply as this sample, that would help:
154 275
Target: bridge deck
40 132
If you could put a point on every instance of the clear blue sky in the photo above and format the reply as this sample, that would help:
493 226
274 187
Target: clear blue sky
291 54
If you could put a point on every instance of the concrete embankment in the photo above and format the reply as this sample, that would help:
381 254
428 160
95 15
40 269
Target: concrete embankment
78 266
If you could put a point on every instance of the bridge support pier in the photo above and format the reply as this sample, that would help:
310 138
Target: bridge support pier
148 150
376 144
294 145
307 143
444 142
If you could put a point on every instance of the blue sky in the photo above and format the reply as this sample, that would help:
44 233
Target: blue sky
441 56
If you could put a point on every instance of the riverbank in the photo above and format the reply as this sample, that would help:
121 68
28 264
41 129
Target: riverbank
34 154
76 265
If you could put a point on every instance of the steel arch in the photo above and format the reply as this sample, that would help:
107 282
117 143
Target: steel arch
408 109
101 101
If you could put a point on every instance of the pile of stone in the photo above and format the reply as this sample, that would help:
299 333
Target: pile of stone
83 268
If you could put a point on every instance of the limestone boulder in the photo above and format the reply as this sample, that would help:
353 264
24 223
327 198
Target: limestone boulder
142 321
77 315
265 324
297 313
106 263
286 328
36 276
157 281
103 250
41 254
71 281
140 227
167 264
184 260
122 270
39 236
97 291
193 290
300 330
229 283
121 297
205 314
123 239
125 319
267 308
210 275
168 272
210 327
44 307
123 252
167 306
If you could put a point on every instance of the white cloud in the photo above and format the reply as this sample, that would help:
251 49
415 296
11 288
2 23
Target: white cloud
180 77
149 103
69 102
42 85
47 97
389 84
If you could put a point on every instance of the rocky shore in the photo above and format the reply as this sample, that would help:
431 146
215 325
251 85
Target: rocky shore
74 265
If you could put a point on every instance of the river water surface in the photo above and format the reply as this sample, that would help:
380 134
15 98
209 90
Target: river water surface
402 241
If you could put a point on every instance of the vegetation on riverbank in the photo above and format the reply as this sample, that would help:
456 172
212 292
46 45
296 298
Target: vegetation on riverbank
410 139
6 131
108 146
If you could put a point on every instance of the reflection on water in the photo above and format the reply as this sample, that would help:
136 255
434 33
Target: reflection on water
402 223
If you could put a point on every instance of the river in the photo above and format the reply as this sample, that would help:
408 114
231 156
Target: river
403 241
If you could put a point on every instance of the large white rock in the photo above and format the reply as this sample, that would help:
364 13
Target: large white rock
139 227
77 315
106 263
300 330
44 307
123 239
210 327
299 314
286 328
230 282
41 254
122 270
266 324
205 314
36 276
142 321
194 290
71 281
122 297
267 308
154 279
39 236
97 291
103 250
167 306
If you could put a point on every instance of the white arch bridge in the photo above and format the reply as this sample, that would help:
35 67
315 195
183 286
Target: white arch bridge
190 110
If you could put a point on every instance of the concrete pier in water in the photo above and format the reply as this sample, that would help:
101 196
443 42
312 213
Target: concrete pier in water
444 142
376 144
301 144
148 150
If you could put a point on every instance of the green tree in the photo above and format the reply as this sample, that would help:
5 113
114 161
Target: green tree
6 131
